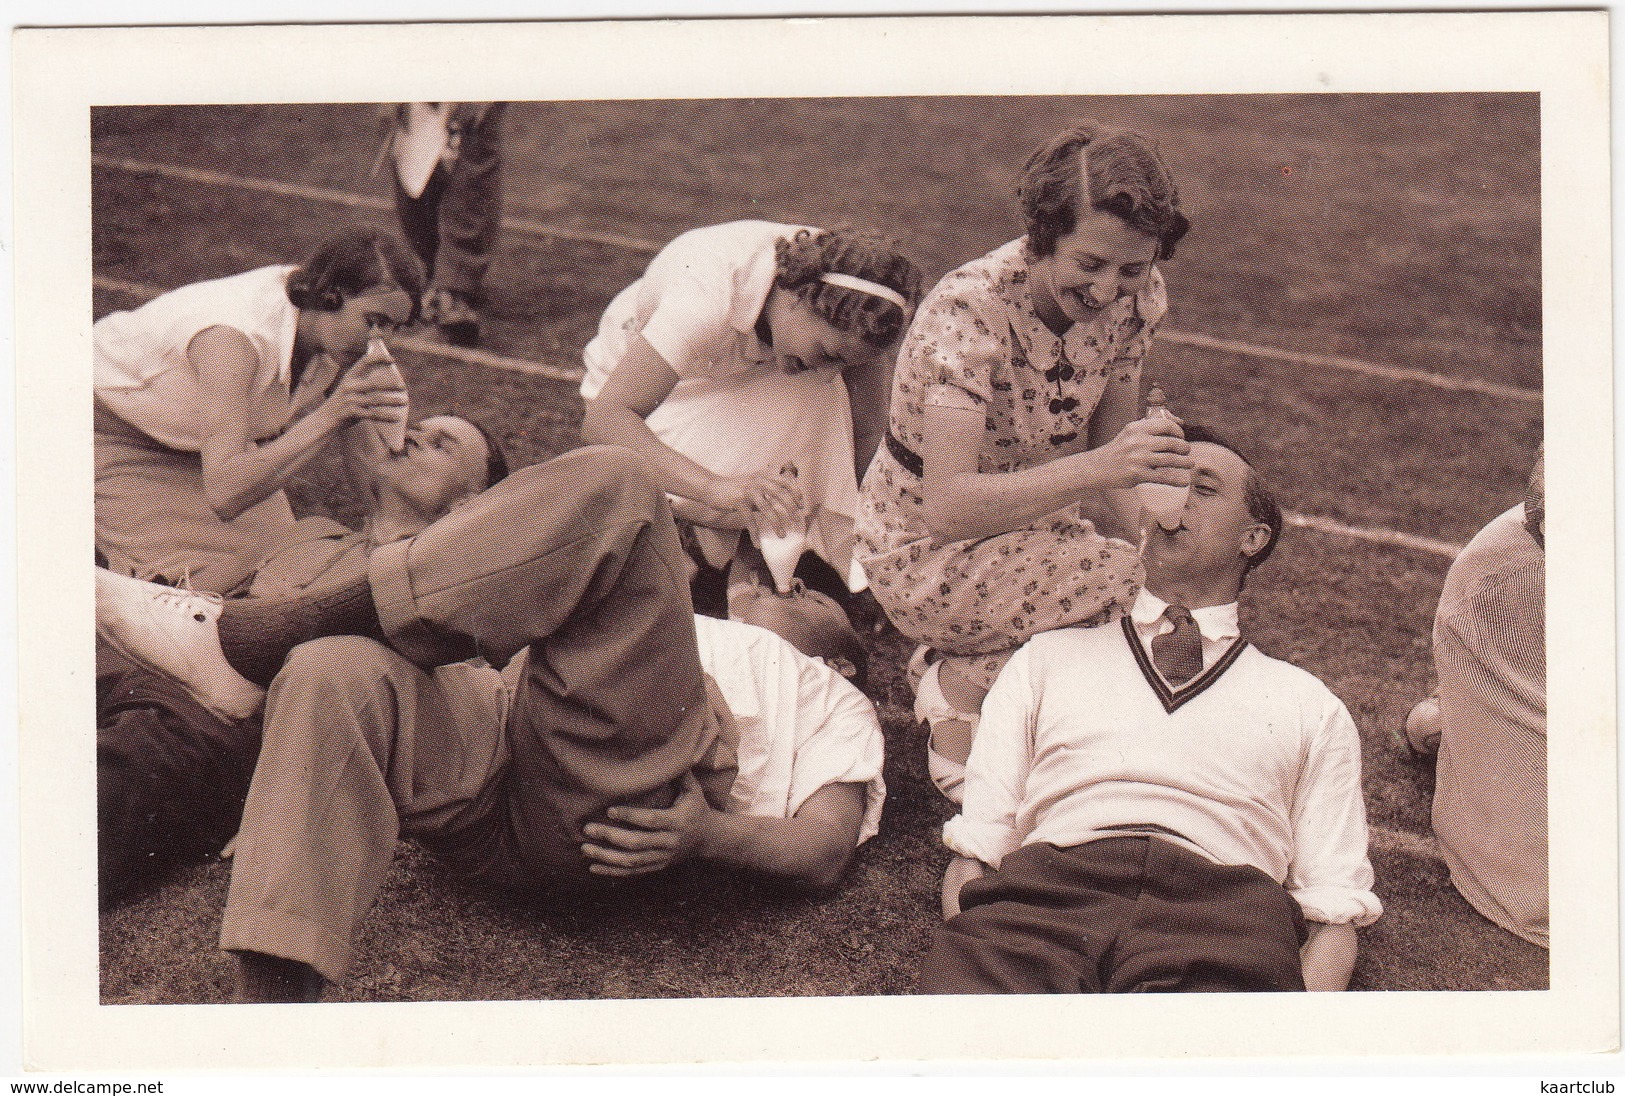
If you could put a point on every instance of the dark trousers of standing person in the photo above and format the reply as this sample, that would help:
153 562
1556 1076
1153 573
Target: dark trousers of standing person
454 224
170 776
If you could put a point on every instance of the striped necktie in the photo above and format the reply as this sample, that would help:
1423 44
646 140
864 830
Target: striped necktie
1178 654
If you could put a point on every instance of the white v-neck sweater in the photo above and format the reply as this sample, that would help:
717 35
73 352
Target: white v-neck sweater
1258 763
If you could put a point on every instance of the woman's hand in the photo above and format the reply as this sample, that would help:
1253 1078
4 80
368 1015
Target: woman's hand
1150 450
640 840
365 394
771 502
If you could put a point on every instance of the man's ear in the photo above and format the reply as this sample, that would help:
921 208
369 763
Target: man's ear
1255 539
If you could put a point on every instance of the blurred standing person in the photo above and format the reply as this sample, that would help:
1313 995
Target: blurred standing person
996 507
1489 650
448 194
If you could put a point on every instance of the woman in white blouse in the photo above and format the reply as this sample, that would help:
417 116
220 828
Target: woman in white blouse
210 397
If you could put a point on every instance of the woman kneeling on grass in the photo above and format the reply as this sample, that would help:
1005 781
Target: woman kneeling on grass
749 367
995 508
210 397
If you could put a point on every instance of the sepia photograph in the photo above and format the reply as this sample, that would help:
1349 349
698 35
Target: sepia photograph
792 540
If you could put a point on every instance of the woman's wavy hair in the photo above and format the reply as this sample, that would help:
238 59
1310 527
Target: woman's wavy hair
1124 175
803 260
354 263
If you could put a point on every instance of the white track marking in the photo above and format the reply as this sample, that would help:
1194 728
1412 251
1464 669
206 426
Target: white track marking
1352 365
1376 535
1442 381
355 201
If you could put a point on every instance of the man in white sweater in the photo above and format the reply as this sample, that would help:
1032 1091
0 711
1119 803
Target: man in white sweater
1154 804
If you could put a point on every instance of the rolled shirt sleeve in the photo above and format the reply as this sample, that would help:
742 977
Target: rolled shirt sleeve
1330 874
801 726
986 828
839 742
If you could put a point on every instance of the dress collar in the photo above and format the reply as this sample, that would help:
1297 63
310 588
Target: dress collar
1217 623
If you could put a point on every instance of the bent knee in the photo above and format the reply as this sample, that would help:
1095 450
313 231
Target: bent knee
338 669
337 653
618 477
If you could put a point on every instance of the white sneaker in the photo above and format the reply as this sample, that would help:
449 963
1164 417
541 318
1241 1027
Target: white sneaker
175 633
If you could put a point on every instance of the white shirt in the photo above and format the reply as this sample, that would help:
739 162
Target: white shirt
697 305
1257 763
1489 802
144 376
801 725
1219 624
733 410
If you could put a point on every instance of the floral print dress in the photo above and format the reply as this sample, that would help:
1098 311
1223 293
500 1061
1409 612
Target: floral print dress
978 344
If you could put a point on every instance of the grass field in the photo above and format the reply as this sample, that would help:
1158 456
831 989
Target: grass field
1398 229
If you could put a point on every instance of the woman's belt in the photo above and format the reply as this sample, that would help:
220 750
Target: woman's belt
905 456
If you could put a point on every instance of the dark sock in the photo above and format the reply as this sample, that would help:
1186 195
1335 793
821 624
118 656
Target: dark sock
256 634
271 979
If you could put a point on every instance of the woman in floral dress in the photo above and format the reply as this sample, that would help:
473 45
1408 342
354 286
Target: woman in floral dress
1000 504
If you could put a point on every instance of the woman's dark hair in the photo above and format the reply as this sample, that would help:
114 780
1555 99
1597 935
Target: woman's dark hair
1262 505
803 260
1124 176
354 263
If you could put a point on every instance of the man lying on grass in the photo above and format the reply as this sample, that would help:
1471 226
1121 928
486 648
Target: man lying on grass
177 732
1160 806
625 734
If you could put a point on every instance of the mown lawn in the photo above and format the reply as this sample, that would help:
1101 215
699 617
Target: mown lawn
1402 229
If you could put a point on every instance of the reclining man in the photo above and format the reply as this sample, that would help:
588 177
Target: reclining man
1156 805
605 749
176 739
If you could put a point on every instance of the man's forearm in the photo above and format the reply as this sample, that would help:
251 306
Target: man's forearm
808 853
812 849
1328 957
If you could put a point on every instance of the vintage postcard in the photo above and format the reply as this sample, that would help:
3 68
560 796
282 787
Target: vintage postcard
450 466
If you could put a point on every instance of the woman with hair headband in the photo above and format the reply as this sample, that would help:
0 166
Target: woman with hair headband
998 506
749 366
209 398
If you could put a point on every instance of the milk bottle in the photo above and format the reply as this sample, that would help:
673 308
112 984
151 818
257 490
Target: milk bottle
1164 502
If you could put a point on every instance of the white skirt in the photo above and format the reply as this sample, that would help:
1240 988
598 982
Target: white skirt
738 426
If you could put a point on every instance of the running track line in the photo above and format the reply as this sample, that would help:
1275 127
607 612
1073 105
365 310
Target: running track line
1331 526
648 247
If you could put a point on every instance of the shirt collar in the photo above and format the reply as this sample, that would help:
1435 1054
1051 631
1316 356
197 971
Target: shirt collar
752 284
1217 623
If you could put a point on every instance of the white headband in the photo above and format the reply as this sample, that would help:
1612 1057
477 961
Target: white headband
863 285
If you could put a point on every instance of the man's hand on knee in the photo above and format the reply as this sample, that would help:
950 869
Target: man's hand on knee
639 840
